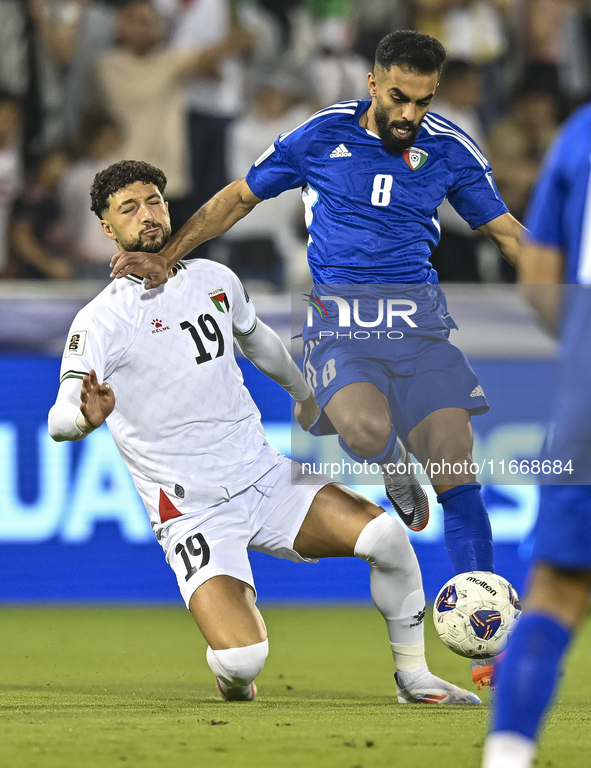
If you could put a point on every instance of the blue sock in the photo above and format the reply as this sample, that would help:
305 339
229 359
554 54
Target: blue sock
526 676
468 536
390 453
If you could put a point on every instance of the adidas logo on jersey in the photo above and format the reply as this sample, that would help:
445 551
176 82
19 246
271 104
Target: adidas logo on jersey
477 392
340 151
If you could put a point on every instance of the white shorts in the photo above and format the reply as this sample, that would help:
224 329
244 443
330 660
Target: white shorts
265 517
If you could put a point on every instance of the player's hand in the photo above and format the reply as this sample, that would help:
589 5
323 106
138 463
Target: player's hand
306 413
98 400
150 265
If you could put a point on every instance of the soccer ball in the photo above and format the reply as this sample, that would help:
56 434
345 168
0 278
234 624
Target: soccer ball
474 614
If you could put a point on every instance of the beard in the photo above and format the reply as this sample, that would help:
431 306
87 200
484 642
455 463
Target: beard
393 144
147 245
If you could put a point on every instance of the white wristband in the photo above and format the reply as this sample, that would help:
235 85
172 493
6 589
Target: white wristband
83 424
300 391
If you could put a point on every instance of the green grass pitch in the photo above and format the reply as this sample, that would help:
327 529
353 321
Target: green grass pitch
105 687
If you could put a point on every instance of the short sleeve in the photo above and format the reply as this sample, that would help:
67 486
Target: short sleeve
545 210
474 194
280 167
97 339
243 312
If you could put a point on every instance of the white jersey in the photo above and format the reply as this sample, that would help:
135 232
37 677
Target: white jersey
184 423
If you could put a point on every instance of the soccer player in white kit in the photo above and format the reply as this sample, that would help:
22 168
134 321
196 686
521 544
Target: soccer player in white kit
158 365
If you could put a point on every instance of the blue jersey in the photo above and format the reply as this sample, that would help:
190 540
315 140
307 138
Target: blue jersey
559 214
372 216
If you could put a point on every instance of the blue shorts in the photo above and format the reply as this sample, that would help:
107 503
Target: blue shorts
562 534
418 374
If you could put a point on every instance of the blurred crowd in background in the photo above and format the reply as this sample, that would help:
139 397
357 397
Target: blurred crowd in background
201 88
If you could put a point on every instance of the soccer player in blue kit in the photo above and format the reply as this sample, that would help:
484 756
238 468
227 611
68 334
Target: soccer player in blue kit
373 173
559 251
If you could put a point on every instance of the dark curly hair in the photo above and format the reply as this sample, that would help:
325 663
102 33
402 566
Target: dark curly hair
119 175
411 50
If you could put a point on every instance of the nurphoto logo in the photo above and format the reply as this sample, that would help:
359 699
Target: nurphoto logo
384 313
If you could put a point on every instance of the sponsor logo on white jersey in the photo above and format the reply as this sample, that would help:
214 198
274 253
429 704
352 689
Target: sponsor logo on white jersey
159 326
477 392
340 151
76 343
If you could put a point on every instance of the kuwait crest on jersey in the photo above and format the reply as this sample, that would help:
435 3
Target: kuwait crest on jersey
219 298
415 158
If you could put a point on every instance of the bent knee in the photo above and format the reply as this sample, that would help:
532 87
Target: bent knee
367 437
384 543
238 666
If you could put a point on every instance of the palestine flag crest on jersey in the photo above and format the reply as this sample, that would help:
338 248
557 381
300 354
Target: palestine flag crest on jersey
415 158
219 298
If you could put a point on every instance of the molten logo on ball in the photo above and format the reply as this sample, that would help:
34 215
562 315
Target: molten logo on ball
475 613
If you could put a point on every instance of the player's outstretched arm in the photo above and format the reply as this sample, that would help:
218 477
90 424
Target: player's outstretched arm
264 348
540 277
214 218
80 410
507 234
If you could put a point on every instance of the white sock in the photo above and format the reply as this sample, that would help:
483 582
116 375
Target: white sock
507 749
396 588
413 678
238 667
